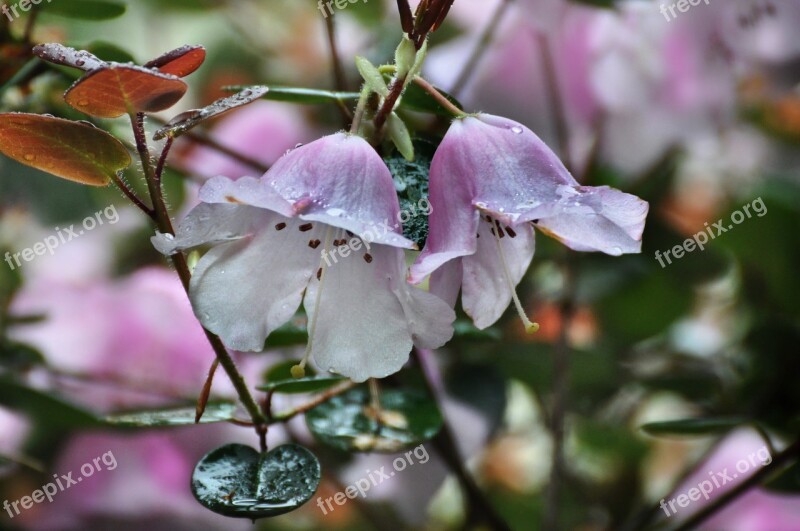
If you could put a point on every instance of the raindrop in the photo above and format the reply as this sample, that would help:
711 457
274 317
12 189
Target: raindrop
516 130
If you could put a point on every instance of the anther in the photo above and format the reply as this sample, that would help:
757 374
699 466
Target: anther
368 258
280 226
306 227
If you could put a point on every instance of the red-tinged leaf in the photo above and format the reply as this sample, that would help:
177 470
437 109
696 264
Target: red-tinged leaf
189 119
179 62
63 55
119 89
77 151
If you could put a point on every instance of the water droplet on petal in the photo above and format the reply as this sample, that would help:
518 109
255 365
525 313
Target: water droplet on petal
516 130
29 157
616 251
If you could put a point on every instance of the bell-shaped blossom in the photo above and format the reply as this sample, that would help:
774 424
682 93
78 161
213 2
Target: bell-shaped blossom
319 227
492 181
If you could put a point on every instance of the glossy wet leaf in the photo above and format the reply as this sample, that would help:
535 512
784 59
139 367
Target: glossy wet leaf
119 89
279 380
179 62
186 121
63 55
172 417
235 480
302 95
407 418
704 426
76 151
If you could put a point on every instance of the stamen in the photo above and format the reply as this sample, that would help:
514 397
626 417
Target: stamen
368 258
511 232
314 243
530 327
280 226
299 370
306 227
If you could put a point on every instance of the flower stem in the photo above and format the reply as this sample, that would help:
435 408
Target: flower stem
386 109
164 224
439 97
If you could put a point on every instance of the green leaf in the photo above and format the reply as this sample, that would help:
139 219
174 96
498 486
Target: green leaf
76 151
347 422
466 330
401 137
305 96
18 356
692 427
372 76
290 334
237 481
85 9
279 380
172 417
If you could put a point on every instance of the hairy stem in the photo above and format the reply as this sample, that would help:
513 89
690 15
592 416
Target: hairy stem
164 224
439 97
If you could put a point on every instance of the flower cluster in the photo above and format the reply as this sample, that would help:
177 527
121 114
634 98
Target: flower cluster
491 182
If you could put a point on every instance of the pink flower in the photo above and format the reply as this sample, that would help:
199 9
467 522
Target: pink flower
284 235
740 455
492 181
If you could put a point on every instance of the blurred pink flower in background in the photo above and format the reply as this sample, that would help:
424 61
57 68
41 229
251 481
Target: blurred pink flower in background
137 329
756 510
14 429
263 131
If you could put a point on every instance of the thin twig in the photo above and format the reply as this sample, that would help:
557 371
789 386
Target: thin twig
320 399
339 79
711 509
439 97
130 194
30 25
162 160
202 400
